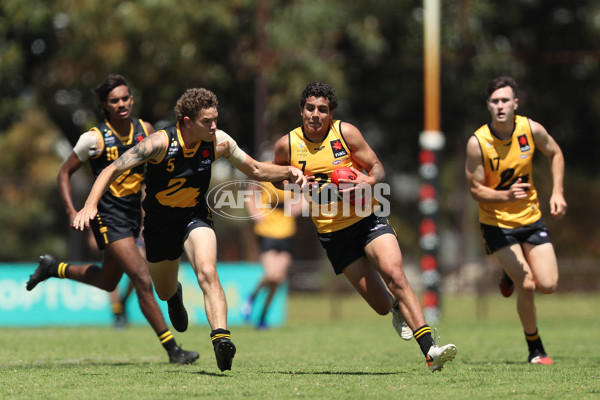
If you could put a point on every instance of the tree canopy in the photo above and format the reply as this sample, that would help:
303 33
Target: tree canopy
258 55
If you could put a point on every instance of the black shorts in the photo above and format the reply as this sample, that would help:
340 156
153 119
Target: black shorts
495 238
165 241
267 243
108 227
347 245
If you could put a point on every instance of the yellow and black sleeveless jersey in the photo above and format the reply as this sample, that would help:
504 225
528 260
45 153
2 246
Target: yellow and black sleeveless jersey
274 223
506 161
176 185
320 159
126 191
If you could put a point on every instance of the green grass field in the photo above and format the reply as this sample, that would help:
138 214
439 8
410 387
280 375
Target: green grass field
356 355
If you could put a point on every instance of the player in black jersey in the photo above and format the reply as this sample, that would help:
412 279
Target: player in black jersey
117 223
177 218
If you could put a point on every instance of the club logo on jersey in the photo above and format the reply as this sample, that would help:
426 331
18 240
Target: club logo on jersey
319 148
338 148
206 158
523 143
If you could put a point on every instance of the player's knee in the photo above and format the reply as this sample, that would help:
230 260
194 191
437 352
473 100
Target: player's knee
272 285
397 281
529 286
142 283
165 290
206 273
109 286
547 288
163 295
108 282
382 309
276 279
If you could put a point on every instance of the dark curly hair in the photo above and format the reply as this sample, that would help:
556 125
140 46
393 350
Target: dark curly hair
320 89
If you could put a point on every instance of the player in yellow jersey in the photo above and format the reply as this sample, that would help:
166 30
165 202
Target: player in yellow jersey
275 230
363 248
499 172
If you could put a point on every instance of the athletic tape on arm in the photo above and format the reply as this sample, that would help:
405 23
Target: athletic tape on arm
86 146
236 155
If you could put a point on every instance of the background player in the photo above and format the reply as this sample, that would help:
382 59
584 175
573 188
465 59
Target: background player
275 230
499 172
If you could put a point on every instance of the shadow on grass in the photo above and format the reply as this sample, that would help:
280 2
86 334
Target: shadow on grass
90 362
492 363
341 373
356 373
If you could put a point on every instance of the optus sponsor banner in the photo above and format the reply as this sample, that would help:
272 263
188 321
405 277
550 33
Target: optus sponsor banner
65 302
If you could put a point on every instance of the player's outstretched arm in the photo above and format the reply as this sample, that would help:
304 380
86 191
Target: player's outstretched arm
253 169
151 148
262 171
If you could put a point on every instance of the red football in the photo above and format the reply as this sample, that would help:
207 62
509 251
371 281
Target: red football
342 173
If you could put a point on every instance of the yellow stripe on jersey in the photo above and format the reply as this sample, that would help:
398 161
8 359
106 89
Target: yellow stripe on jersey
505 161
127 184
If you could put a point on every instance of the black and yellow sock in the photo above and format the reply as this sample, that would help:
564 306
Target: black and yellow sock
219 334
424 338
117 307
60 271
167 340
534 342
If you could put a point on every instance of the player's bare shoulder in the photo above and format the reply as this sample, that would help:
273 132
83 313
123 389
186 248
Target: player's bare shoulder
537 130
281 150
149 128
473 147
352 135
